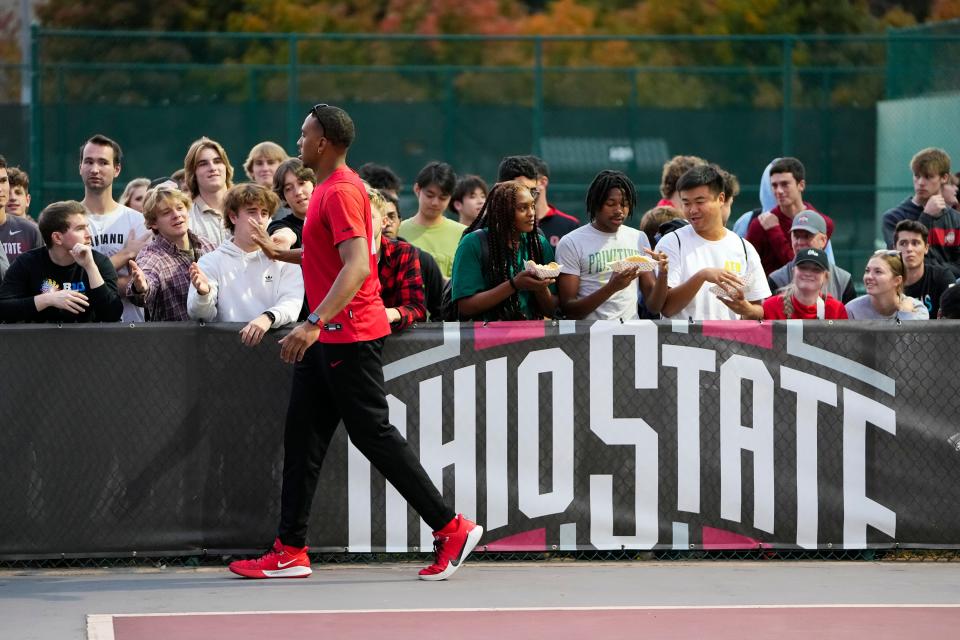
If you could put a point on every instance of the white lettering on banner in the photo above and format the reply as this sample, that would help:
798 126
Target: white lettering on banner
735 437
700 378
359 534
623 431
498 475
689 361
859 510
396 506
811 391
533 503
461 452
359 530
431 420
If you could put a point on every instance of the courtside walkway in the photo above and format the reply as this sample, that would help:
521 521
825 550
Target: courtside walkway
639 599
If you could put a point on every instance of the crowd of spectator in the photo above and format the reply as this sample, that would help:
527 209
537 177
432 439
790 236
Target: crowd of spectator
194 245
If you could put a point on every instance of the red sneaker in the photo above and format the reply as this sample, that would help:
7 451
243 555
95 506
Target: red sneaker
280 562
452 548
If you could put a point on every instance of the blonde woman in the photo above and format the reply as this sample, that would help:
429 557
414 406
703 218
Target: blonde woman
135 193
803 298
262 162
884 277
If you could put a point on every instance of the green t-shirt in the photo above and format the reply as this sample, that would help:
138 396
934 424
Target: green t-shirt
470 277
440 240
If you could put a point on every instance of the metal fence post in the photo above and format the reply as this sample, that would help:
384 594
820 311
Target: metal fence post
61 165
537 94
252 110
633 119
293 91
787 117
36 117
449 116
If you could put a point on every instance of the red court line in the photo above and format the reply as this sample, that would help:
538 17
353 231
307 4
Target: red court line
823 623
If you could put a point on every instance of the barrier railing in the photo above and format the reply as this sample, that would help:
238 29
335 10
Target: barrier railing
569 437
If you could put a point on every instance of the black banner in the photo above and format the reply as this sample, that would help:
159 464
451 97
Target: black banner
167 438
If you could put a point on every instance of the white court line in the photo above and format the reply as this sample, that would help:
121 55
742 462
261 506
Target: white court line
651 607
100 626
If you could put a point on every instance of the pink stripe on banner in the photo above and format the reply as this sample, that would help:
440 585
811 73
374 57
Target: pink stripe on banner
723 539
535 540
759 334
495 334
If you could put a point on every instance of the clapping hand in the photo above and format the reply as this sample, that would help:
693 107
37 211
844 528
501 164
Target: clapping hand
199 280
137 277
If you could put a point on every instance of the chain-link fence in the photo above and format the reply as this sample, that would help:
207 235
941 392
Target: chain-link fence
702 435
759 555
582 102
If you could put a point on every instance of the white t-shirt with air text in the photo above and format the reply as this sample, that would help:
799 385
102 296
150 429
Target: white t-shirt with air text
689 253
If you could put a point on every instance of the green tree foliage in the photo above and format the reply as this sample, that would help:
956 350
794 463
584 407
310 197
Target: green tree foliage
9 54
155 15
679 73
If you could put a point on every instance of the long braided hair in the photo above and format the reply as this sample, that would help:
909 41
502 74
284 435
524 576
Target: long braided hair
498 216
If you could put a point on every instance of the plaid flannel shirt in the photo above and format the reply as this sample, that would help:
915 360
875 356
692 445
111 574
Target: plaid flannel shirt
401 285
167 271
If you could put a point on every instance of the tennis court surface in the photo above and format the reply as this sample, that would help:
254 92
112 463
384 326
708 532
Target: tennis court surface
875 600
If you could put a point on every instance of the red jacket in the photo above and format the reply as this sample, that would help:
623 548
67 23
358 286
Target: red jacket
833 309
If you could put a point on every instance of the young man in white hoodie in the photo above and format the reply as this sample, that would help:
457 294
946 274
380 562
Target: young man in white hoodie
237 282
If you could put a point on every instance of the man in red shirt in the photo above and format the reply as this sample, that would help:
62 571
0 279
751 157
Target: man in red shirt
769 232
339 372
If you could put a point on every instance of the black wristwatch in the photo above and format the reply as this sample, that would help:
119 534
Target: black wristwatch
271 316
314 319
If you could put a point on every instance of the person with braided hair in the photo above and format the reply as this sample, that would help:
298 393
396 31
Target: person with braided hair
804 298
490 281
592 284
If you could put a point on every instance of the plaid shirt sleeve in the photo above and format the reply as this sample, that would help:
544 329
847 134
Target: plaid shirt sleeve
150 262
401 285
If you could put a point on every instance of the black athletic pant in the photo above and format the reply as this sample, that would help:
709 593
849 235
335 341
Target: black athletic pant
345 381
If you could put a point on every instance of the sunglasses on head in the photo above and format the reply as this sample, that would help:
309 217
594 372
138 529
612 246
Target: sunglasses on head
887 252
315 109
